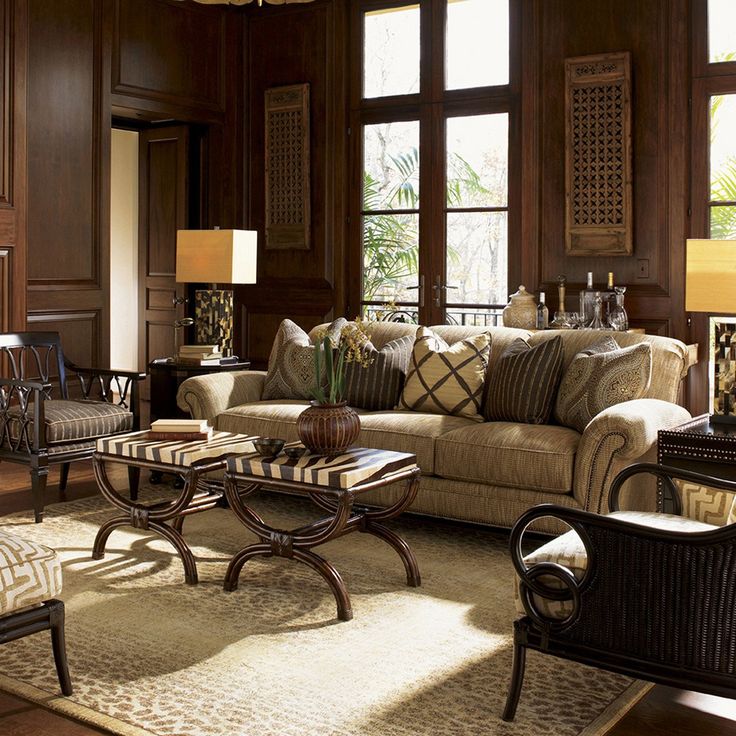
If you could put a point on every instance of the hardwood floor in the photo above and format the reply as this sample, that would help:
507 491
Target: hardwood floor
664 711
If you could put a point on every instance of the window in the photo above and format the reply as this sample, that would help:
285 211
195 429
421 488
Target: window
722 205
431 207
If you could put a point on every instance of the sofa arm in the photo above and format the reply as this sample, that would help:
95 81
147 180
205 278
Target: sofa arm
614 439
204 397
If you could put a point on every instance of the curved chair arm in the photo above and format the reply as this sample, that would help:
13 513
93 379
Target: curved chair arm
667 474
611 544
22 425
101 383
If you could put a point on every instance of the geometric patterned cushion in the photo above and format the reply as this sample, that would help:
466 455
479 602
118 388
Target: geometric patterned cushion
291 363
75 421
568 550
444 379
29 573
522 384
594 382
377 386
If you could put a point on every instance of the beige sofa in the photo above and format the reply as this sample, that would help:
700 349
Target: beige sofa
486 472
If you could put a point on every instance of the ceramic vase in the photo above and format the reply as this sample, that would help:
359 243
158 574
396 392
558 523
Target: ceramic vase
328 429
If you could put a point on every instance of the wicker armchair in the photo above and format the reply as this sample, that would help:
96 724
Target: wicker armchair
39 429
648 595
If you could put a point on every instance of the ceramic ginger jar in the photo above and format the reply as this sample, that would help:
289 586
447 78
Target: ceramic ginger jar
521 311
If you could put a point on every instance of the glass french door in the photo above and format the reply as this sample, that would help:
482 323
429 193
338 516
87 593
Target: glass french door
433 160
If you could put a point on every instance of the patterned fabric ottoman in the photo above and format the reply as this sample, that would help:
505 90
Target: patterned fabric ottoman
30 577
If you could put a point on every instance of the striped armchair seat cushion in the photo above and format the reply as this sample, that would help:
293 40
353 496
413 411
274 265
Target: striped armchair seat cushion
29 573
75 421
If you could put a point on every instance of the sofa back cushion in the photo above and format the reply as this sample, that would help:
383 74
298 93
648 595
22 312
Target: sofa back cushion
599 377
291 363
523 383
446 379
377 385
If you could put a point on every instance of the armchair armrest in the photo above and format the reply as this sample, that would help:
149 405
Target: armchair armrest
101 383
22 425
204 397
617 437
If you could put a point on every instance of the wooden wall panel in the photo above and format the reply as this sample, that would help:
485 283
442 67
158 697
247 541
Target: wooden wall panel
654 33
68 129
170 52
295 283
6 269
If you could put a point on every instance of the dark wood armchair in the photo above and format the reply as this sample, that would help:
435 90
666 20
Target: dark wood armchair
647 595
40 425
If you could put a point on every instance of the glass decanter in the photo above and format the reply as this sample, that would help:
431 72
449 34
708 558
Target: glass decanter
617 317
597 322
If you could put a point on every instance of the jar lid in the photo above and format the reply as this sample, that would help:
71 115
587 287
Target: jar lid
522 295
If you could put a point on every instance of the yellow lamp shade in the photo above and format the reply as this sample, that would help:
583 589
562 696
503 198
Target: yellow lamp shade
216 256
710 276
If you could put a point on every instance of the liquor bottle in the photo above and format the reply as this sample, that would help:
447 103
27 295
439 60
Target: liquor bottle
587 301
542 313
609 298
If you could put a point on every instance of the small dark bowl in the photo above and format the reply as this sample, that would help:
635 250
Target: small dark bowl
268 446
295 452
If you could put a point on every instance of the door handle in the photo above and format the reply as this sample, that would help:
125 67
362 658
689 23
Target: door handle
420 291
438 287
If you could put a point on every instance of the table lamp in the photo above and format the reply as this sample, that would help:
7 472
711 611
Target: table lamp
215 257
710 277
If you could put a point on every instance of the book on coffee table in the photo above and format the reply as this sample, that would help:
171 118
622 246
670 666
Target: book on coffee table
180 429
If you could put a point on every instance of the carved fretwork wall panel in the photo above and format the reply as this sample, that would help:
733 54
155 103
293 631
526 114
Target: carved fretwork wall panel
598 155
287 167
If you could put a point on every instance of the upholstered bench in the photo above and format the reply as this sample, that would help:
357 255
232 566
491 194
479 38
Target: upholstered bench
30 577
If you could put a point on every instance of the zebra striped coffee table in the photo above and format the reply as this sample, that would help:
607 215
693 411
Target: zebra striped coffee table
332 483
192 460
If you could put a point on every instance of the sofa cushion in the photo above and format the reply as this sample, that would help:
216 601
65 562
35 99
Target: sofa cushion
408 431
291 363
596 380
274 418
535 457
446 379
568 550
29 573
523 383
377 385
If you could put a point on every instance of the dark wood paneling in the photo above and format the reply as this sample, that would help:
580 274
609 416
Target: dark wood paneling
80 331
169 51
62 132
303 284
655 34
160 298
6 269
6 103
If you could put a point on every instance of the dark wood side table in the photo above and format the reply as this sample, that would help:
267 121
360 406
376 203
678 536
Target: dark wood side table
166 377
698 445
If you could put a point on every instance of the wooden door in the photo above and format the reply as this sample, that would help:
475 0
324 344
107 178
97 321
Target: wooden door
163 209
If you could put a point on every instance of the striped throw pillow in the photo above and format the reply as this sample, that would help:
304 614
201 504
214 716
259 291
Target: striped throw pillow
598 378
446 379
377 386
523 383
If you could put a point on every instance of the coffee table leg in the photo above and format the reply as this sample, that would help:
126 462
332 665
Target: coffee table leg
324 568
413 578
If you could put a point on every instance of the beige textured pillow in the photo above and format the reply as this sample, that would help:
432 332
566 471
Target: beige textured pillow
596 380
291 363
446 379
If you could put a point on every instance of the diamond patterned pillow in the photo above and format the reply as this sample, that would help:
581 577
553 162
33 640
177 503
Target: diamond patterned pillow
522 385
291 363
446 379
596 380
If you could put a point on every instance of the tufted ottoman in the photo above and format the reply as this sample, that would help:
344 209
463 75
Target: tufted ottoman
30 577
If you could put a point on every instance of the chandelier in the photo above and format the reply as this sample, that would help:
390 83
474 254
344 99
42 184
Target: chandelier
245 2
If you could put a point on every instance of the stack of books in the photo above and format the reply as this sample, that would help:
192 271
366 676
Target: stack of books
180 429
199 355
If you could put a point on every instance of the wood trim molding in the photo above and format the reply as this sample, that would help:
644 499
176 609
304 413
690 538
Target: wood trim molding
7 67
6 288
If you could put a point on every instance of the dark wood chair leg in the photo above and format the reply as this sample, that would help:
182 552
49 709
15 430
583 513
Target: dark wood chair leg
134 477
39 475
64 477
517 680
58 643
